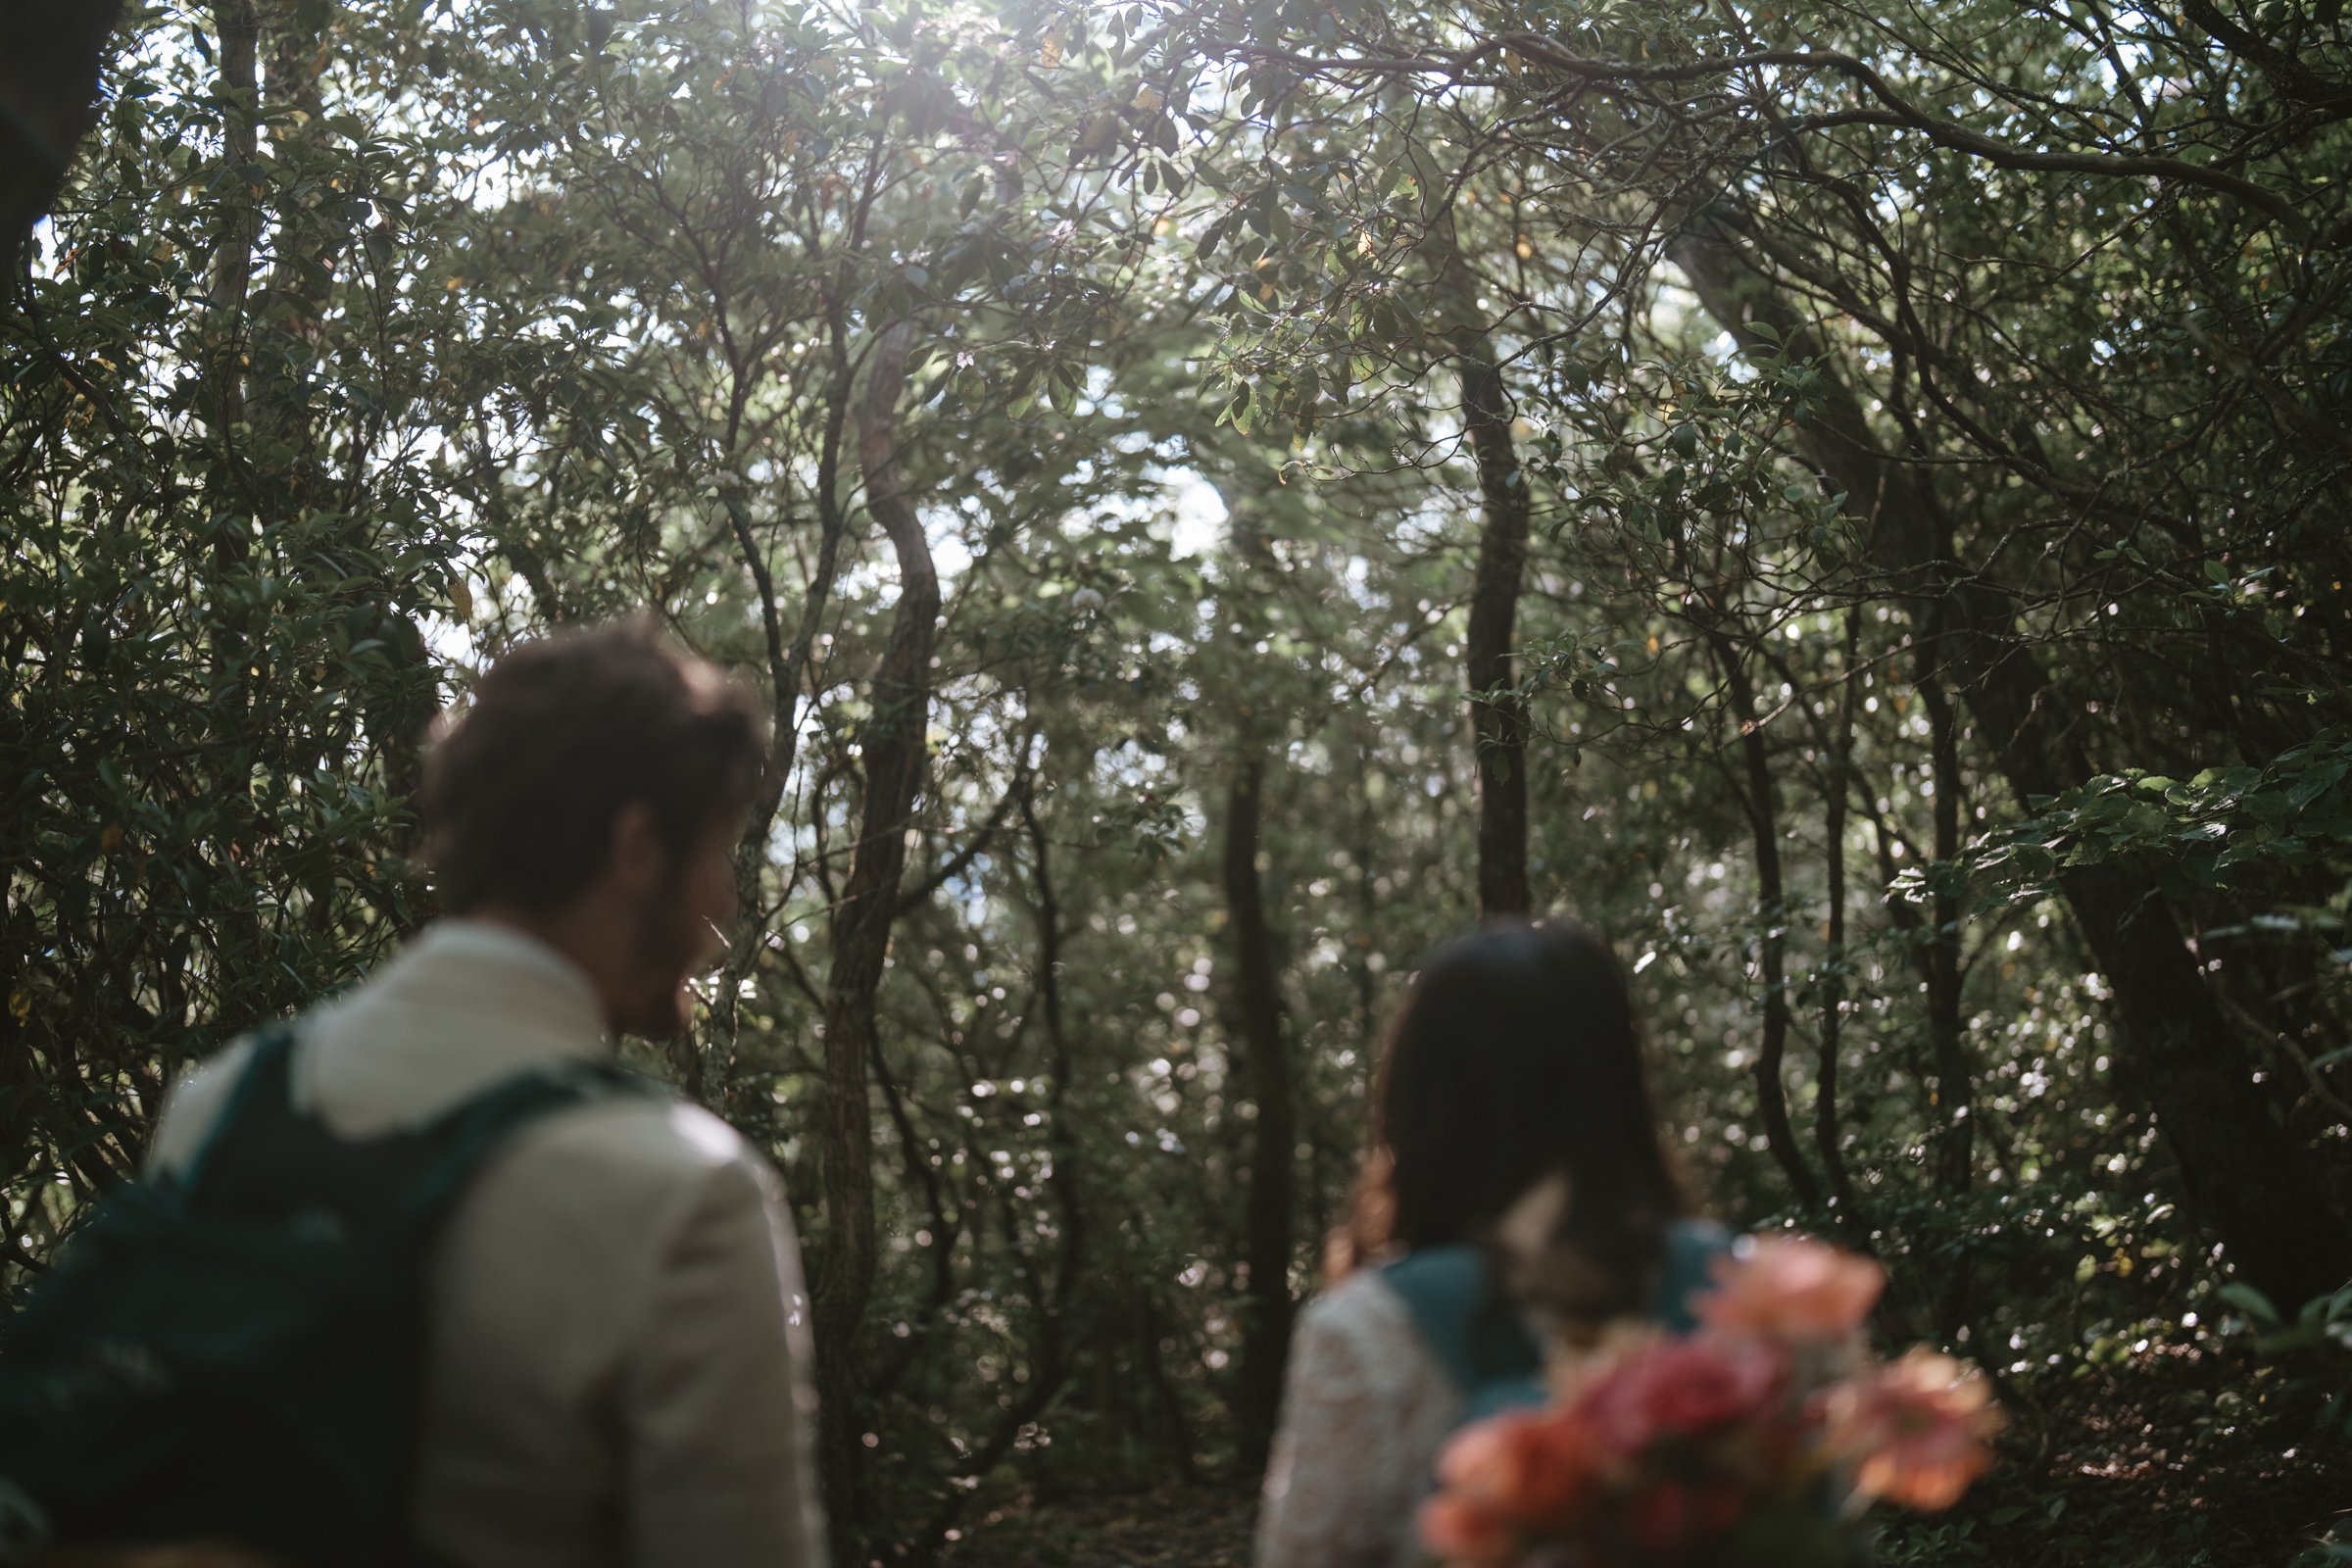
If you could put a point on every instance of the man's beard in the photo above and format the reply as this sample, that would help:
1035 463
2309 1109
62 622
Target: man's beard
668 944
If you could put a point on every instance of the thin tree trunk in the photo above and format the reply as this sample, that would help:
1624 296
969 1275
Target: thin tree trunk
237 25
1265 1070
787 668
1257 1028
231 501
1828 1140
1060 1140
1947 1024
894 752
1762 801
1497 710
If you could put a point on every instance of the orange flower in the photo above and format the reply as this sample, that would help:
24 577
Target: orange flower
1917 1431
1457 1531
1792 1288
1529 1469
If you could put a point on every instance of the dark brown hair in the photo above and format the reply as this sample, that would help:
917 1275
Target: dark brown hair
1516 1057
522 786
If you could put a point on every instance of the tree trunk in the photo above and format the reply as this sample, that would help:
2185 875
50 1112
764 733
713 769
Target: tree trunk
895 754
234 500
2178 1056
1953 1075
1828 1142
1497 711
786 665
1762 801
1266 1072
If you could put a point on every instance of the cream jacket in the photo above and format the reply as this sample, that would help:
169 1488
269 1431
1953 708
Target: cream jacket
619 1364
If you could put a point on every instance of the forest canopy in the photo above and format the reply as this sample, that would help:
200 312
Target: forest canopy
1847 499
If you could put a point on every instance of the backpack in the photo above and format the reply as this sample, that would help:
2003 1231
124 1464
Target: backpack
235 1353
1484 1347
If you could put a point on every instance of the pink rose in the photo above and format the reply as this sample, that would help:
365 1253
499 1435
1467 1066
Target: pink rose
1792 1288
1682 1388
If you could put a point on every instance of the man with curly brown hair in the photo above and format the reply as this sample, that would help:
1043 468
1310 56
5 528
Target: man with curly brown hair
617 1361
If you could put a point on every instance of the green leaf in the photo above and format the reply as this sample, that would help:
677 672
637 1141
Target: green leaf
2249 1300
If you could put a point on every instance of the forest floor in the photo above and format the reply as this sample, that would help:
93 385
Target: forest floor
2168 1461
1171 1527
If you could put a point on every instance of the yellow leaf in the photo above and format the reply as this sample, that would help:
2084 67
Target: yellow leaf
1048 53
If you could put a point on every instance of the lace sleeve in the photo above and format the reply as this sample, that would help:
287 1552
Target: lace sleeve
1364 1411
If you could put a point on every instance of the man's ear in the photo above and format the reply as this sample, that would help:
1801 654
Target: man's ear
639 860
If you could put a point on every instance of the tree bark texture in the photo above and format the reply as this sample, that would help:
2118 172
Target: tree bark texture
894 750
1497 711
1265 1071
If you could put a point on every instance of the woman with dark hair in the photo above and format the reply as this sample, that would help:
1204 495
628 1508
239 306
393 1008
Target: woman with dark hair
1516 1192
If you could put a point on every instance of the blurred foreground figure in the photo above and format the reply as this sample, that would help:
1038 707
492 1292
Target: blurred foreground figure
1517 1193
50 53
611 1359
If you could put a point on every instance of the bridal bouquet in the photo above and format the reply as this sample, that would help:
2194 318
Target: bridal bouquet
1754 1443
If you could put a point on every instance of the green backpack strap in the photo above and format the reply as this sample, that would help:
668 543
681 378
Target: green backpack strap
404 1178
267 1073
1692 1247
1482 1342
236 1352
1467 1327
462 1137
